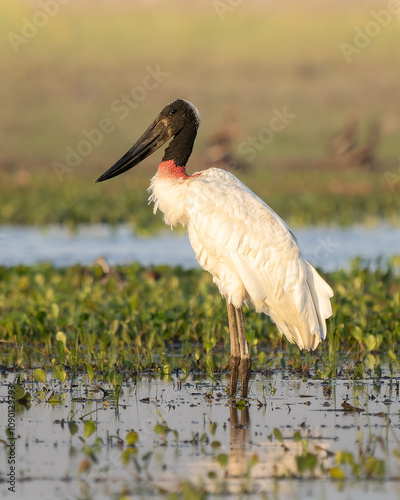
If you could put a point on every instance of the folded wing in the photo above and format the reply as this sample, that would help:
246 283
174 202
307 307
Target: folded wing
254 257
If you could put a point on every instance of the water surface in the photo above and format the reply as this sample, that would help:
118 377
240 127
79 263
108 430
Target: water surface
327 248
203 424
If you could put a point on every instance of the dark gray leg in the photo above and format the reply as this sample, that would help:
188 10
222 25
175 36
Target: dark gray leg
245 361
234 359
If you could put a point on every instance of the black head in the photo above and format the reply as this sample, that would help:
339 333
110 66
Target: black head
179 118
179 114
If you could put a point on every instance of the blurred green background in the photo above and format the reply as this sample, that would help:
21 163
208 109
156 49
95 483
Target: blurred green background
333 65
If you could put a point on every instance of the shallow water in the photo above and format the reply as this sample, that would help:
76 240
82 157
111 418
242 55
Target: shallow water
327 248
50 460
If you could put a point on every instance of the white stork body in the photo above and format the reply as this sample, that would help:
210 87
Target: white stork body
250 252
248 249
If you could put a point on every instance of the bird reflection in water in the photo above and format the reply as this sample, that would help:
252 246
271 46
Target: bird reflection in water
238 457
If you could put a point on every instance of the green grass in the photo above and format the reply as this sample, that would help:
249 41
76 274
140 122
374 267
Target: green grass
140 319
300 197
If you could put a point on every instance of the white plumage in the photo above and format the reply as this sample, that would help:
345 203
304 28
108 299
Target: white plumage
248 249
250 252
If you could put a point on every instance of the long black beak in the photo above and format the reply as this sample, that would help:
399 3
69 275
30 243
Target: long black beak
155 136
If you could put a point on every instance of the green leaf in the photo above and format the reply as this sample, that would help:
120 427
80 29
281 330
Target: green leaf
262 358
344 457
55 310
213 428
147 456
73 427
297 437
307 461
357 333
90 452
132 438
370 342
41 395
337 473
118 378
127 454
203 438
160 429
55 399
60 336
25 399
374 467
39 375
89 428
114 327
241 404
166 369
223 459
19 392
278 435
98 441
59 373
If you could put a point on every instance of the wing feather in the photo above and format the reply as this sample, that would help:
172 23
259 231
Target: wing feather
253 256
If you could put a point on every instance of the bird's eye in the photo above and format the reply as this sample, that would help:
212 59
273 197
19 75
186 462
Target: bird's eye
172 111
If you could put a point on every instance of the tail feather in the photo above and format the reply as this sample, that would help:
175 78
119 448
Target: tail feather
306 325
321 294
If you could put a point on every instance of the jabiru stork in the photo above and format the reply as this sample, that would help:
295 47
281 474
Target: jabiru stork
247 248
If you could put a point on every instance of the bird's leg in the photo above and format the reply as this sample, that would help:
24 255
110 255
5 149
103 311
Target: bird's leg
245 361
234 359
